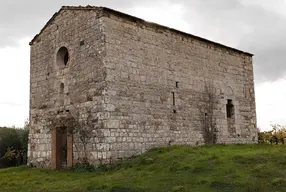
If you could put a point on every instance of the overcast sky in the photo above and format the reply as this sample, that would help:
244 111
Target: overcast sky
256 26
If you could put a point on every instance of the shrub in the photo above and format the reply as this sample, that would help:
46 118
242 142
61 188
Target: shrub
276 136
13 146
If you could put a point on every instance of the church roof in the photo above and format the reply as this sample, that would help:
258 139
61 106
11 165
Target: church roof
131 18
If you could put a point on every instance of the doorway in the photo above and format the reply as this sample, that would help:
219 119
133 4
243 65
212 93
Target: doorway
62 152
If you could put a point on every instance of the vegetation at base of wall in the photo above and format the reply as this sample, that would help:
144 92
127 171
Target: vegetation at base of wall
207 107
13 146
84 167
221 168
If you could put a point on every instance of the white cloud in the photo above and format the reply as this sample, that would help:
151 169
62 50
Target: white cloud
270 103
164 13
14 84
278 7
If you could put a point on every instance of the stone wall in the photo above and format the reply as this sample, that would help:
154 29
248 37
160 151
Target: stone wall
147 67
83 80
131 86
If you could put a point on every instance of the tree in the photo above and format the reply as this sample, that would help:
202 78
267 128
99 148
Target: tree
13 146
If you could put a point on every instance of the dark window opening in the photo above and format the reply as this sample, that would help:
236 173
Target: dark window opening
230 118
174 111
66 58
177 84
62 87
174 102
206 117
229 109
61 96
62 57
81 43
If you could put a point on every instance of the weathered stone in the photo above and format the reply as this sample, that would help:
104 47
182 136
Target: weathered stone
134 84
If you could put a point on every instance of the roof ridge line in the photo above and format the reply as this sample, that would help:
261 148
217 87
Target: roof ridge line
80 7
137 19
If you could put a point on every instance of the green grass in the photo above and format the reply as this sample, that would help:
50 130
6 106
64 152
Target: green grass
219 168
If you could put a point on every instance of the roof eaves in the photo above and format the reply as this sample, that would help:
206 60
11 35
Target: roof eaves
136 19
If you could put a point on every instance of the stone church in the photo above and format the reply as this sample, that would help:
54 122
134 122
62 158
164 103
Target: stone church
105 85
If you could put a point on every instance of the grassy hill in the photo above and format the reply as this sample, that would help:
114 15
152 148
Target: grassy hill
210 168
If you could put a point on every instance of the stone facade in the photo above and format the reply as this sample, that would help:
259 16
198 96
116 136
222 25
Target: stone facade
121 86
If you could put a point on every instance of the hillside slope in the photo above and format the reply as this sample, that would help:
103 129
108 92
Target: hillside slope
210 168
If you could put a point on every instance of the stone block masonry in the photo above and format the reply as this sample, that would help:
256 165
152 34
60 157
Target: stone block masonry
119 86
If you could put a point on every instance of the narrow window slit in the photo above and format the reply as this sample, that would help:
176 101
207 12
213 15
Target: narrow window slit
229 109
61 95
177 84
174 102
230 114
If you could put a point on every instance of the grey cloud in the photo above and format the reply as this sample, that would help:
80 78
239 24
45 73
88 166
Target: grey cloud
268 42
247 27
26 18
255 29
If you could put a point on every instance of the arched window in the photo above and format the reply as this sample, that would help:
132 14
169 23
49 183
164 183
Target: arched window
230 114
229 109
62 57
